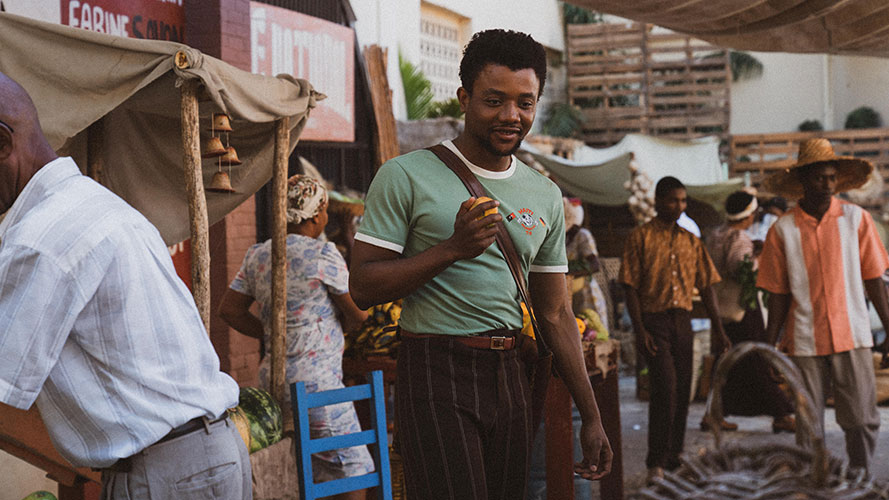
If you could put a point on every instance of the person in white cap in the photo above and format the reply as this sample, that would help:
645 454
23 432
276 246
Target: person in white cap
818 261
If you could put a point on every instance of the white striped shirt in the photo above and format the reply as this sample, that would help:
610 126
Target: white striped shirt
95 325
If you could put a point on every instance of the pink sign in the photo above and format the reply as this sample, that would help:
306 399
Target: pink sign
284 41
151 19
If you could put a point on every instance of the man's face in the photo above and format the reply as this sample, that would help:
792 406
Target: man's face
501 108
671 205
819 181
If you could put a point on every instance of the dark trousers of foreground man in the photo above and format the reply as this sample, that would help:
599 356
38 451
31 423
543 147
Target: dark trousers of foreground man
463 421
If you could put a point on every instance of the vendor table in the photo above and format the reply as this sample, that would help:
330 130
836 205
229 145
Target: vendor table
601 360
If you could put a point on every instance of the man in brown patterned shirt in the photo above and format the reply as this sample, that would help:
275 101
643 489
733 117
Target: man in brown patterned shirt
661 267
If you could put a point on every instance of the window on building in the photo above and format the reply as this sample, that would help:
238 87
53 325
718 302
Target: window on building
441 45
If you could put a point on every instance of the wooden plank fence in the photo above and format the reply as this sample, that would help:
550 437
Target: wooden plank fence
763 154
630 78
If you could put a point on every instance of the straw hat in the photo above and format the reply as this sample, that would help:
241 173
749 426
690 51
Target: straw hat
851 172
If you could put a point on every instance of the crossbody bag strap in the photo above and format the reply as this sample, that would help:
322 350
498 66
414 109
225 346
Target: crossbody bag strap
504 241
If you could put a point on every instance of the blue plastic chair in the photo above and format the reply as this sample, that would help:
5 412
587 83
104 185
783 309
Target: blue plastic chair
306 446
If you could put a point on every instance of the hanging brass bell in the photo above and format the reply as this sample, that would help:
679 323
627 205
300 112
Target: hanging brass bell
221 123
213 148
230 157
221 183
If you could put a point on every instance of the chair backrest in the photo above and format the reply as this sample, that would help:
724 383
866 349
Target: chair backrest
306 446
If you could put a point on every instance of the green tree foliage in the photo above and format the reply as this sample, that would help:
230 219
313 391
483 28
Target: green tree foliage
450 107
810 125
579 15
863 117
417 90
744 66
562 120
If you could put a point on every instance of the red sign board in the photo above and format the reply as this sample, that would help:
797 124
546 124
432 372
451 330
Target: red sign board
284 41
151 19
181 255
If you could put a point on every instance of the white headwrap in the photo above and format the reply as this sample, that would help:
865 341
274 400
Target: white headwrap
305 197
743 214
573 212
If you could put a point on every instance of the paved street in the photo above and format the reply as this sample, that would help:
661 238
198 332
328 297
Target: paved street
752 430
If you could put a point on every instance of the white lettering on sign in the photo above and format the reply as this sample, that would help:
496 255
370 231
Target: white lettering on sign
176 2
175 249
317 57
95 18
257 27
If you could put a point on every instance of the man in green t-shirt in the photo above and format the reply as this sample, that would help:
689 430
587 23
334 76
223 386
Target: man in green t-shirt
462 401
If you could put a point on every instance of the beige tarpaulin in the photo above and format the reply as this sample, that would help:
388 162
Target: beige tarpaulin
77 77
853 27
598 175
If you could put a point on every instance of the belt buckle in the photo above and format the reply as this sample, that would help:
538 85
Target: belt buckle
498 343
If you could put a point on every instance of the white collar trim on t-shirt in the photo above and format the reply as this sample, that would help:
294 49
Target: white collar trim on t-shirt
479 171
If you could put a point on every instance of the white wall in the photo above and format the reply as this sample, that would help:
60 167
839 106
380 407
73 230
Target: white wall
396 24
789 92
798 87
860 81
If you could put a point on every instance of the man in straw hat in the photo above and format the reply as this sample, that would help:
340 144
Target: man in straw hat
818 260
99 331
463 394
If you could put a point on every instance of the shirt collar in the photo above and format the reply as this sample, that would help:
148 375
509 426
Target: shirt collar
479 171
835 210
37 188
659 223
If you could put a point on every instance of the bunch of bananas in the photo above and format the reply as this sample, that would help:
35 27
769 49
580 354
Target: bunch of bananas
594 326
379 333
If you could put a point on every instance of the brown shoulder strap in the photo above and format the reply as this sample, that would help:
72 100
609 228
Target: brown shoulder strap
504 241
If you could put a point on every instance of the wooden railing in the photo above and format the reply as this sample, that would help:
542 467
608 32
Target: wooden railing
763 154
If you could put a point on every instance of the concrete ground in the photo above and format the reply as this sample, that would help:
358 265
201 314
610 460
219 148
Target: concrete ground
751 430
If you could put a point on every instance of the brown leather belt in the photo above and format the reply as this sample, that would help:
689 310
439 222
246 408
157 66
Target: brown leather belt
489 340
126 465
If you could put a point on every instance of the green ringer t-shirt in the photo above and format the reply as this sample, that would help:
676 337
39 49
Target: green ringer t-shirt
411 205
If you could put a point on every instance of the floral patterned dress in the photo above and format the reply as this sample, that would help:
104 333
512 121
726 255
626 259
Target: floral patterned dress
588 296
314 343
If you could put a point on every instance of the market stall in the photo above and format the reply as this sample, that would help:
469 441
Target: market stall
134 115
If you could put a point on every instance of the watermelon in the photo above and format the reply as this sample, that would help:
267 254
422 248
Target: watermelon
40 495
239 418
264 416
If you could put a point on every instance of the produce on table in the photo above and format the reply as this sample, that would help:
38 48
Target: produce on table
595 328
239 418
40 495
264 416
379 333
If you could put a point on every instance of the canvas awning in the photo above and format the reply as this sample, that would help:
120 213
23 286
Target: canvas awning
851 27
598 175
78 77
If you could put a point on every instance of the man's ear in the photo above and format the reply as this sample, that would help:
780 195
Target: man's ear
463 97
5 143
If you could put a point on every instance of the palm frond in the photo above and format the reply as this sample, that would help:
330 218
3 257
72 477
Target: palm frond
417 89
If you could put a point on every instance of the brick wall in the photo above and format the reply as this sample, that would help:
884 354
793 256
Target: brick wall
221 28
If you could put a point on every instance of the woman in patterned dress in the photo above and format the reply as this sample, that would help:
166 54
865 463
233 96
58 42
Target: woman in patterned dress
583 262
319 307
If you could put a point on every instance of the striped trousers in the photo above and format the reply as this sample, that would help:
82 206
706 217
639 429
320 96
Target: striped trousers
464 421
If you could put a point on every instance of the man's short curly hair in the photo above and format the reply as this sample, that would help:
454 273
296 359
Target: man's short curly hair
508 48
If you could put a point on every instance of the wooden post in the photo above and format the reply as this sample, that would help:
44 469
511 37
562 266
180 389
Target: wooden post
95 151
279 259
197 202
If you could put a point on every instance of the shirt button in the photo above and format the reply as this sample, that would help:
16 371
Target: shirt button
672 256
674 273
675 288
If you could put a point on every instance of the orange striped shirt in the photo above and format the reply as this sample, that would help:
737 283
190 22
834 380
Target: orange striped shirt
823 266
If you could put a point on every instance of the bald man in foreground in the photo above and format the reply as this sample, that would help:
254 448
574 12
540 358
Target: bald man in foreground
100 332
